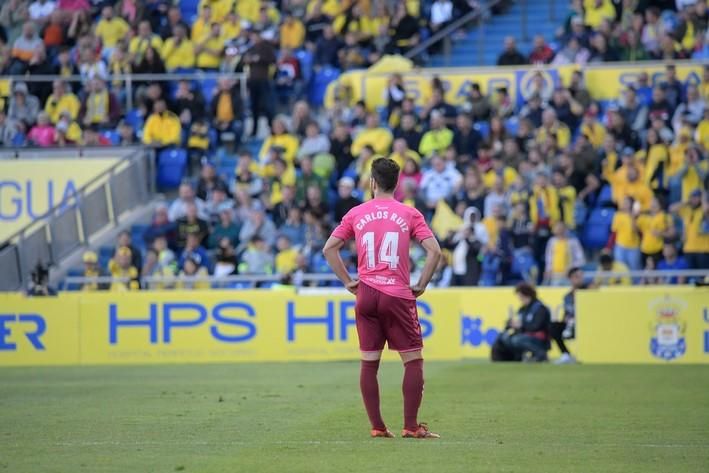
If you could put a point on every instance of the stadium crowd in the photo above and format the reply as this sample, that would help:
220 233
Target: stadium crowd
514 192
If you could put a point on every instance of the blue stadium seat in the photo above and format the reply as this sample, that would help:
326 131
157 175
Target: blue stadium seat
112 136
134 118
172 165
305 58
483 128
207 86
523 266
605 197
512 125
189 8
105 253
73 272
597 229
319 84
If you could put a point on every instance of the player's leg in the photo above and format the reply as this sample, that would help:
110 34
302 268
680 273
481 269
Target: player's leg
371 343
403 333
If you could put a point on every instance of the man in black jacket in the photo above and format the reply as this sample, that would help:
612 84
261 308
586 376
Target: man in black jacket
528 332
511 55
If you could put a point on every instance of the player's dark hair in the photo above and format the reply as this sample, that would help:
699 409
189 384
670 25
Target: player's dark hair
606 259
385 173
526 289
573 271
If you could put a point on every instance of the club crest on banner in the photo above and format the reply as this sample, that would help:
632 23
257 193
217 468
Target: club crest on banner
667 340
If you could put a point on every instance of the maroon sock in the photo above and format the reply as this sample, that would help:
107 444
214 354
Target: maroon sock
413 392
370 392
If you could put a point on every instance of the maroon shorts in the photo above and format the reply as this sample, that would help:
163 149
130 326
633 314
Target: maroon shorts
382 318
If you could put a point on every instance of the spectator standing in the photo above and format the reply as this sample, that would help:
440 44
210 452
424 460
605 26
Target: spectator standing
178 50
566 328
227 109
625 236
695 221
655 228
563 252
61 99
260 58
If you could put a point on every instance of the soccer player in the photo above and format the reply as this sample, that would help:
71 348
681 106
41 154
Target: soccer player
386 302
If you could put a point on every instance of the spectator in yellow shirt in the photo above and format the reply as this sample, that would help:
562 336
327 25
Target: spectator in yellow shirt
567 199
691 175
563 252
655 226
701 135
201 26
401 153
61 100
507 173
695 222
162 128
374 135
287 256
438 138
220 8
552 127
192 276
593 129
598 11
626 236
210 49
111 28
292 32
126 276
231 28
620 272
178 51
140 43
280 138
634 188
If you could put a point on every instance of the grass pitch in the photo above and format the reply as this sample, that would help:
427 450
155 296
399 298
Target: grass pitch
308 417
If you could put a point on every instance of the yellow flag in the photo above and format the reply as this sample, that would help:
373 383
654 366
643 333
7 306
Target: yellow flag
445 220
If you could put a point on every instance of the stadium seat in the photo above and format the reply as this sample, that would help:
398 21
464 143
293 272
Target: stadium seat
305 58
483 128
134 118
72 273
512 125
207 87
105 253
319 84
171 168
112 136
605 197
596 231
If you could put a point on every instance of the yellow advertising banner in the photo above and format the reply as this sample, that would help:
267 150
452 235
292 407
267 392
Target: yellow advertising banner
213 326
604 82
644 325
29 188
624 325
39 331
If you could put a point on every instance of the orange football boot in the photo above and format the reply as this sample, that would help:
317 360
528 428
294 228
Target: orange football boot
421 433
386 433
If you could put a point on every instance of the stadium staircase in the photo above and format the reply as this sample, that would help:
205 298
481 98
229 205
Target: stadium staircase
465 51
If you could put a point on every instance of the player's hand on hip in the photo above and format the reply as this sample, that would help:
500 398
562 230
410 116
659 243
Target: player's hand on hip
352 286
417 290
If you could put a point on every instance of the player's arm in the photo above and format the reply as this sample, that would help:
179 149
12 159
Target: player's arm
433 256
331 251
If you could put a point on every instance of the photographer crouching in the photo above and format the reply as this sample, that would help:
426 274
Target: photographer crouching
39 285
526 333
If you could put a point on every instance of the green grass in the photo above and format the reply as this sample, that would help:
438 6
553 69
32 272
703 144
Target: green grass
302 417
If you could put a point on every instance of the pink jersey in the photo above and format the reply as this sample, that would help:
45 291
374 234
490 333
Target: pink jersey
383 229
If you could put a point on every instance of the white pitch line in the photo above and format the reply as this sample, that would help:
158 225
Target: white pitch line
370 442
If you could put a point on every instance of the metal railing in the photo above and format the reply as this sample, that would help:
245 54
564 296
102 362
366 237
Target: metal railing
228 282
444 35
132 80
74 222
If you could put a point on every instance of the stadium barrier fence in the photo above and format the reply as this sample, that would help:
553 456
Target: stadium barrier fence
59 212
662 324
